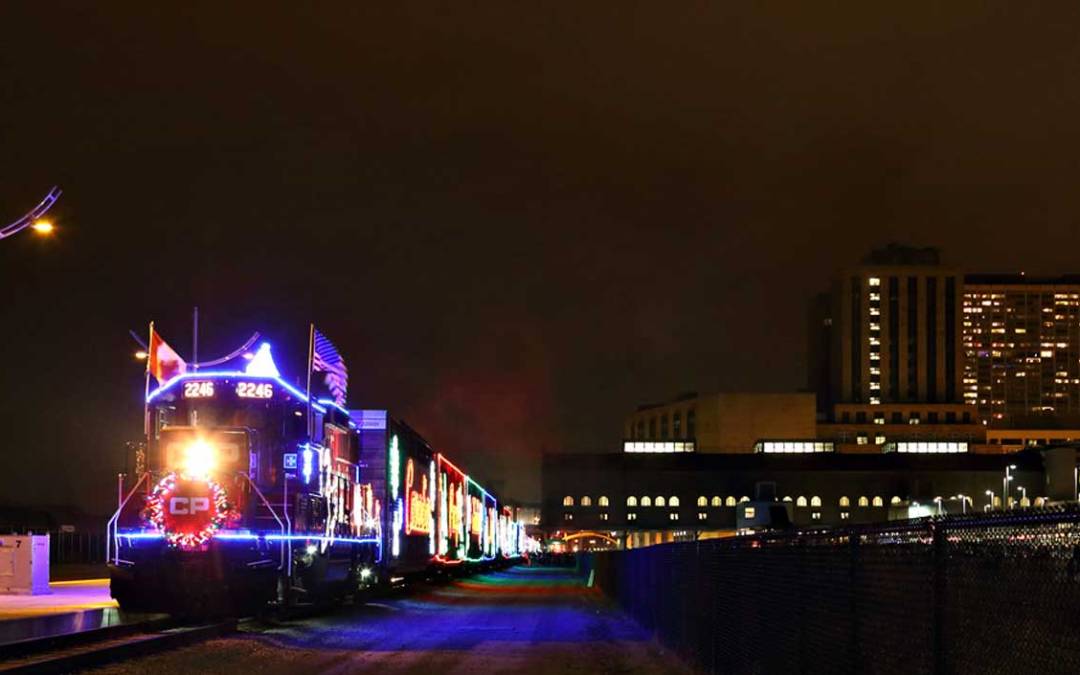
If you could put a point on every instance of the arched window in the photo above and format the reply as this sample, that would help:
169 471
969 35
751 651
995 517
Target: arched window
702 501
744 499
1039 501
631 501
567 501
815 501
645 501
863 501
586 501
801 501
895 501
659 501
787 499
674 501
730 501
716 501
603 501
878 501
844 502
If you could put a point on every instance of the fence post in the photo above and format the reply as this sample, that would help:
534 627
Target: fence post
938 558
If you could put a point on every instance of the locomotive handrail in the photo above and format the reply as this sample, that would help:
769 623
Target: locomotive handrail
284 538
112 528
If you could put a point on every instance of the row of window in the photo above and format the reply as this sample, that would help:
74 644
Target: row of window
638 431
673 501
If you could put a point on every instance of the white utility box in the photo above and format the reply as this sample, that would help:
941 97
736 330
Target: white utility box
24 564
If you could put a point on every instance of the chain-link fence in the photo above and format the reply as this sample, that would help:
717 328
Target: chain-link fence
997 593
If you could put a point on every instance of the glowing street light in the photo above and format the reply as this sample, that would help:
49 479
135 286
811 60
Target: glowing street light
990 494
1005 485
43 227
141 355
1023 494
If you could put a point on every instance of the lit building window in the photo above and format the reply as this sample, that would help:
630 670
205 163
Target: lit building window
864 502
879 440
659 501
567 501
716 501
815 501
645 501
568 516
845 502
895 501
816 515
878 501
603 516
744 499
631 501
749 512
874 281
793 447
658 447
702 516
586 501
927 447
673 501
844 515
861 439
801 501
631 516
730 501
787 499
702 501
603 501
673 516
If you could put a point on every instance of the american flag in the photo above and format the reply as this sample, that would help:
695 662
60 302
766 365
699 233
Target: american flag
326 359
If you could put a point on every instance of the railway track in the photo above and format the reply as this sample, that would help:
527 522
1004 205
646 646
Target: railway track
85 649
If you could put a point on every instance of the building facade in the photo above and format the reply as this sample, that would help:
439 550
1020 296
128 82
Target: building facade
719 422
1021 339
693 495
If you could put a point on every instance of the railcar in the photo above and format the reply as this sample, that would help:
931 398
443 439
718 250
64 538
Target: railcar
252 494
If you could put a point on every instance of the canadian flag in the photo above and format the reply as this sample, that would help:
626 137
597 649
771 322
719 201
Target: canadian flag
163 362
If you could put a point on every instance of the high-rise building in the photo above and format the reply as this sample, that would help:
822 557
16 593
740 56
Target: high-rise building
1021 338
893 326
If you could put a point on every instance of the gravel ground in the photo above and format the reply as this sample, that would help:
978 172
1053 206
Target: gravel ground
523 620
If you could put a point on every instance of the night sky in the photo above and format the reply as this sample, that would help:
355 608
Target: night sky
516 224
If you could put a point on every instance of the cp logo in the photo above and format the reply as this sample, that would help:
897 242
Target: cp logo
182 506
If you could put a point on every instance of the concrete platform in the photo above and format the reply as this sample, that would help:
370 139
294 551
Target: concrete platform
66 597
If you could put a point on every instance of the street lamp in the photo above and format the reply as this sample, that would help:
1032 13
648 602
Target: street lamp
1023 494
43 227
964 499
1005 485
937 500
990 494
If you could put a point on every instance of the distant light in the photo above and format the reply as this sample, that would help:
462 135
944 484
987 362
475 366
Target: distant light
43 227
262 364
365 573
140 355
311 549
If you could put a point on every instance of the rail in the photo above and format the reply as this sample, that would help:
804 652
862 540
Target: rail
112 535
285 562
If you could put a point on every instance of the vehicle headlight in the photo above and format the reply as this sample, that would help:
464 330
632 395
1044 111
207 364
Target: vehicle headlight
200 458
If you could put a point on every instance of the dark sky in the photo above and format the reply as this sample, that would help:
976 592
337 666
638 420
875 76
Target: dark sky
516 224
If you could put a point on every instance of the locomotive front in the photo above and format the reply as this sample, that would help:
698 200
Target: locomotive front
248 494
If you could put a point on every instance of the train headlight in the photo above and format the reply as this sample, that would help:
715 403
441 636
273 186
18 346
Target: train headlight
200 458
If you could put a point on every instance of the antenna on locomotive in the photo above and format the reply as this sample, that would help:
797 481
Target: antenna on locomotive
146 391
195 340
310 367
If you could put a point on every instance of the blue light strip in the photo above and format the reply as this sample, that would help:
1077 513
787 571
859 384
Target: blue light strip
240 535
234 374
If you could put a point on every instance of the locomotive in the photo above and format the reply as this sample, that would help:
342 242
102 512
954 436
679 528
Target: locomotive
252 493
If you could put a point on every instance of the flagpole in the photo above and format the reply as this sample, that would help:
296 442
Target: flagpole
310 365
146 389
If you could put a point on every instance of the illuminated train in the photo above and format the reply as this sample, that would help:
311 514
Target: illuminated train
236 505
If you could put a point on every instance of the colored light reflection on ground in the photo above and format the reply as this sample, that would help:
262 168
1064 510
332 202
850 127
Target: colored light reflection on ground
522 620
